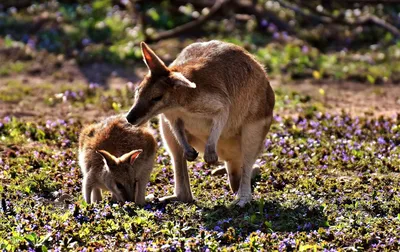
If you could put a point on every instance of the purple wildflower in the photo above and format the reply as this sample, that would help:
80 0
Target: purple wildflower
381 140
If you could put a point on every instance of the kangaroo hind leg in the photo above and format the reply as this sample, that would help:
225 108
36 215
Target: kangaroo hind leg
253 136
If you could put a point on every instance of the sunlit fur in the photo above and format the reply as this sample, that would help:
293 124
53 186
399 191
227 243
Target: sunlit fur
116 137
216 98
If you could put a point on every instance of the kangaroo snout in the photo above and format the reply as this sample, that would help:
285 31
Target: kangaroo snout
135 116
132 118
138 114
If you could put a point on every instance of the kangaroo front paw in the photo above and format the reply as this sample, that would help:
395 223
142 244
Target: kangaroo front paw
191 154
210 155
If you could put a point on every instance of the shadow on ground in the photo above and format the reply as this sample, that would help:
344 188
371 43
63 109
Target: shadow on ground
266 216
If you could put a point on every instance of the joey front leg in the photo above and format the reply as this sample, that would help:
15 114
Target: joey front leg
87 189
218 124
96 195
140 193
179 130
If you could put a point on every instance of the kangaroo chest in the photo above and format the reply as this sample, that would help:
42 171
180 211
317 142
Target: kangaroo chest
195 124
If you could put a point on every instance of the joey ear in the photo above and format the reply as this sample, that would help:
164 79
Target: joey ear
153 62
178 79
131 156
108 158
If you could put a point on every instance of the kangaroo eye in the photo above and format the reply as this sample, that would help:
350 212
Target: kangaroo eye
157 98
120 186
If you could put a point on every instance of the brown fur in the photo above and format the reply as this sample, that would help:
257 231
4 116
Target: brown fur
113 151
215 97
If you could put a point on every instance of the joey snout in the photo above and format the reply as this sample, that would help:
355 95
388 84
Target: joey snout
210 154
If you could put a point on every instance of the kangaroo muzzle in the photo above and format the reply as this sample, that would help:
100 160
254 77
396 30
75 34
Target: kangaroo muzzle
132 118
138 114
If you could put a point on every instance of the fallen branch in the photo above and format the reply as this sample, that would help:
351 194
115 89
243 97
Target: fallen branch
137 12
298 10
261 14
239 6
19 4
195 3
191 25
376 21
364 20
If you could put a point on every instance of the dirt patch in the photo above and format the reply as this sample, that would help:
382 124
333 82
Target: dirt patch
356 99
32 104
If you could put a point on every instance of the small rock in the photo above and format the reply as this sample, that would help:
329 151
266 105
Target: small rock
150 197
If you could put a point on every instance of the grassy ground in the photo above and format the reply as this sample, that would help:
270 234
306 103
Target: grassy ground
329 180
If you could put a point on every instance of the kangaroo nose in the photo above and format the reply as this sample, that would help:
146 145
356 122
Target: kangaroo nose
131 118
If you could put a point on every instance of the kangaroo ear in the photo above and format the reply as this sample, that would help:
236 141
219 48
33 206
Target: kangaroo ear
153 62
130 156
108 158
178 79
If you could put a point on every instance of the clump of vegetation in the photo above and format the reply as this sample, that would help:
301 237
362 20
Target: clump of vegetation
326 182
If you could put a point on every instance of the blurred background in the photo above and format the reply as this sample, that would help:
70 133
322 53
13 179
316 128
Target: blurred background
320 39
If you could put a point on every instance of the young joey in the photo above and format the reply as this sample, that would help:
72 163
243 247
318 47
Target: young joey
118 157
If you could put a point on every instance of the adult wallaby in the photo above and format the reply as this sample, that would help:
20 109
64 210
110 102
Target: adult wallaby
215 97
118 157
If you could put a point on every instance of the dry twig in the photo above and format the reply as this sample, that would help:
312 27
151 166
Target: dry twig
363 20
191 25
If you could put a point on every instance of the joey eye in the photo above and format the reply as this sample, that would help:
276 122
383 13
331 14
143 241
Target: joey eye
120 186
157 98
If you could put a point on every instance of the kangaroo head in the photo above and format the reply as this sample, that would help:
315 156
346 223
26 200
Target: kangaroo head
157 92
120 178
